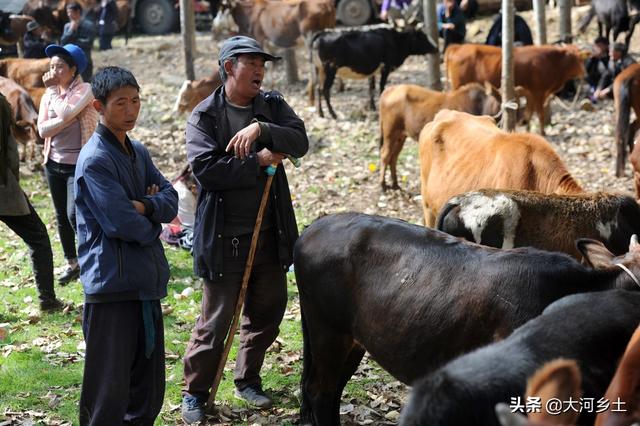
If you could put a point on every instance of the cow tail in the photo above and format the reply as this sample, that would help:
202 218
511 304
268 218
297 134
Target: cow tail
624 113
306 415
443 214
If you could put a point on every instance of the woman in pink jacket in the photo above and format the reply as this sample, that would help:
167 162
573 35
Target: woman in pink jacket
66 120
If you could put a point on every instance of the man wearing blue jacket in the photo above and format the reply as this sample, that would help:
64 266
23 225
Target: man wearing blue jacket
121 200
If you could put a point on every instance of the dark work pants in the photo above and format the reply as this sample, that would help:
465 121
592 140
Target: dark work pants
120 383
33 232
264 307
105 41
60 179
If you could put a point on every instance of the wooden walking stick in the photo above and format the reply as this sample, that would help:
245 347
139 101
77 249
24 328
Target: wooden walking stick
243 290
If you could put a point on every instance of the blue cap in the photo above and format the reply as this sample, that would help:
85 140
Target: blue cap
72 50
239 45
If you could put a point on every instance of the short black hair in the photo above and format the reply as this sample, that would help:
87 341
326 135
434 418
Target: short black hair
620 47
601 40
75 6
108 79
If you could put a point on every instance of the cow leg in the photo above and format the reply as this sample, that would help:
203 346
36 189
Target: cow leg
399 143
329 76
390 147
328 358
372 88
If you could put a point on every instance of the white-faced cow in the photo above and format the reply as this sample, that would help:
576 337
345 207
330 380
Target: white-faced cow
592 329
361 53
415 298
507 219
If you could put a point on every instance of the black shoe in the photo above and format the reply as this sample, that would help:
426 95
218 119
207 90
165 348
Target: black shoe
70 274
51 305
192 409
255 396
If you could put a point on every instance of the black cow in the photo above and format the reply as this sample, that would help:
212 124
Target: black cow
613 15
362 52
507 219
592 329
415 298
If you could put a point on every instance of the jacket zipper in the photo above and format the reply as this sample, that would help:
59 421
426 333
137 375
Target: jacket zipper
119 259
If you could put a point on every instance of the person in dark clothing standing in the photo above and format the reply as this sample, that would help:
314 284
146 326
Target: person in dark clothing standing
34 43
522 32
81 32
108 23
18 214
451 23
121 201
232 137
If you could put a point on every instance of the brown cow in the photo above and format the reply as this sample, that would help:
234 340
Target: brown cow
541 70
626 96
193 92
460 152
25 72
280 22
406 108
25 115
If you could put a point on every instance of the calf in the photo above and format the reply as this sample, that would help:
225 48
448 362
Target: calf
25 72
461 152
193 92
467 63
406 108
626 97
507 219
415 298
25 115
363 53
465 391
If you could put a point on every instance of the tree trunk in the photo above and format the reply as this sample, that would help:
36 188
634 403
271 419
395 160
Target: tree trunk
291 66
564 14
431 29
508 110
187 28
541 24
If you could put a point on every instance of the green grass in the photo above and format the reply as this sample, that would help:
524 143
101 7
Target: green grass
40 367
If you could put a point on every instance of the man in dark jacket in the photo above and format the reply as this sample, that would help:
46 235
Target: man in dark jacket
620 60
451 23
121 201
81 32
18 214
107 23
34 44
232 137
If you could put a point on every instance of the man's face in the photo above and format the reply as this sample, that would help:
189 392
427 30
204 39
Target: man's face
73 14
616 55
601 49
121 109
248 74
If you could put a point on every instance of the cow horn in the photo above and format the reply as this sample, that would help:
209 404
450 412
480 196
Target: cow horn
633 244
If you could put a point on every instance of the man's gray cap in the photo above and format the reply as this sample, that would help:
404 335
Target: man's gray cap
238 45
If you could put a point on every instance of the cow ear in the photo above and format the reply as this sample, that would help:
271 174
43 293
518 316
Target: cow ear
559 379
507 417
595 253
633 243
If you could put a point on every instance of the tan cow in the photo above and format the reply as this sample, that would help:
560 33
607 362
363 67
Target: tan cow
25 72
541 70
406 108
193 92
460 152
25 115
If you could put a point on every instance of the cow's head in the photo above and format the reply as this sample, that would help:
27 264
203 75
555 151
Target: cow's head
182 101
598 256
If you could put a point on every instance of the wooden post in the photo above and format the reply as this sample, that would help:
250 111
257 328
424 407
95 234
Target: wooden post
431 29
564 15
508 112
541 23
187 28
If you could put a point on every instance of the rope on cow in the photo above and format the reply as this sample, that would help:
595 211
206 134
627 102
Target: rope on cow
573 103
628 271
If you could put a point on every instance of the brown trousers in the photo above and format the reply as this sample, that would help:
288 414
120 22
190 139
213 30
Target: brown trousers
264 307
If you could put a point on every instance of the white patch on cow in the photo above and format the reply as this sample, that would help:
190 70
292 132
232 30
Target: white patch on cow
606 229
477 208
183 88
